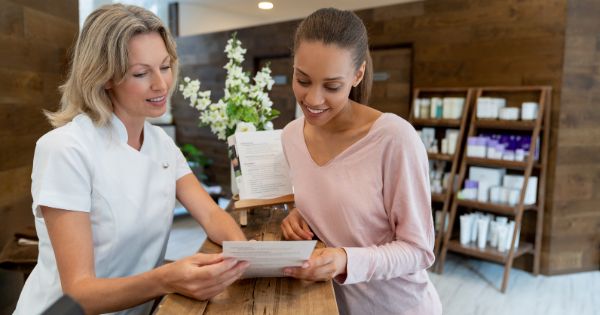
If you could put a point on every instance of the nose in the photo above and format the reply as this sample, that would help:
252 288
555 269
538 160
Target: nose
158 82
314 96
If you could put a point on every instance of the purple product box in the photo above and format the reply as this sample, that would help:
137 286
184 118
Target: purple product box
471 183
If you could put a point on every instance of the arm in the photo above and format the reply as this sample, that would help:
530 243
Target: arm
218 224
406 200
200 276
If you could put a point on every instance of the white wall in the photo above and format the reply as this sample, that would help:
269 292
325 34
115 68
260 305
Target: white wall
160 8
200 19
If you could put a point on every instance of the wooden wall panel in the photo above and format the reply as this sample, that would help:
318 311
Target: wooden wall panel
36 36
574 235
392 94
470 43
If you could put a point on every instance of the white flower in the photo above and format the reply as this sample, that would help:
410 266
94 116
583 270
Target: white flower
266 101
245 105
245 127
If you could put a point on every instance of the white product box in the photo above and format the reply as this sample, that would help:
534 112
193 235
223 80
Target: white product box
516 182
493 176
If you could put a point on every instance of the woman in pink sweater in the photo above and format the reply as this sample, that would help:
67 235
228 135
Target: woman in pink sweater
360 178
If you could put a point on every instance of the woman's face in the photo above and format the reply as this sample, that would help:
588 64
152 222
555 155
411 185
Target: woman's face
144 89
323 77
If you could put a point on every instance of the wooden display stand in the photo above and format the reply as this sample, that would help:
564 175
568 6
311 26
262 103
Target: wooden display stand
445 197
536 127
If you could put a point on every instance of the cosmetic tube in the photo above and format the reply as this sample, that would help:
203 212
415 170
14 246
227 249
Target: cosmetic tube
482 229
465 229
502 236
494 234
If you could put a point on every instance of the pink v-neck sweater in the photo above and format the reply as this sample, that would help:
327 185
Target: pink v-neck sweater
373 200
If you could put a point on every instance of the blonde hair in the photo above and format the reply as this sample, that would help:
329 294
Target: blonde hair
101 55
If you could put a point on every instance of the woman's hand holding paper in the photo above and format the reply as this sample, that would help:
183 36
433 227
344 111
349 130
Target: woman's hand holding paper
201 276
324 264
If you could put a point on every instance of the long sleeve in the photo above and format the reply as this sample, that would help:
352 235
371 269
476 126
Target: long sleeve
406 198
373 200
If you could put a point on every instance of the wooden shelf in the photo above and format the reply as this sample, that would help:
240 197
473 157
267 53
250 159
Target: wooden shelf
436 122
488 253
438 197
513 165
539 131
451 163
529 88
440 156
506 124
443 90
492 207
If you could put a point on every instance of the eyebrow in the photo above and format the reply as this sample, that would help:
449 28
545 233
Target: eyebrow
146 65
326 79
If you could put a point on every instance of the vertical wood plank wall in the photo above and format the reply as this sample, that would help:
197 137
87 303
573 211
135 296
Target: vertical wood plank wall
36 36
573 230
472 43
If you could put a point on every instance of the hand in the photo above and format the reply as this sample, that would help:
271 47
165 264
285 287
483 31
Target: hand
201 276
295 228
324 264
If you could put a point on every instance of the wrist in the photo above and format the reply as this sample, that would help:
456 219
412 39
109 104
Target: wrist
158 279
343 261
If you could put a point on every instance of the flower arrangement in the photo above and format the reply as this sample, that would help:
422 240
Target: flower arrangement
244 107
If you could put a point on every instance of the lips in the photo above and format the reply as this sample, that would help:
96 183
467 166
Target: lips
156 99
315 110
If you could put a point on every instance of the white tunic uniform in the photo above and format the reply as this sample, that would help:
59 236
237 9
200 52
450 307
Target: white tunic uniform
129 194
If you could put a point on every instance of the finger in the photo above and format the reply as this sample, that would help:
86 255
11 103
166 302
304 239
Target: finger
290 234
234 273
284 232
225 280
317 273
311 274
306 228
300 232
215 270
206 259
295 272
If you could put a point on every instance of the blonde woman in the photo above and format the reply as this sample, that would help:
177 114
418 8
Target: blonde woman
104 182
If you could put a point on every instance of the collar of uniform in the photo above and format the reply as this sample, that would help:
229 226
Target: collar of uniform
119 128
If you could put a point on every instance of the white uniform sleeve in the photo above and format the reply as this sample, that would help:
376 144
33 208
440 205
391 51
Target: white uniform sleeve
181 168
61 175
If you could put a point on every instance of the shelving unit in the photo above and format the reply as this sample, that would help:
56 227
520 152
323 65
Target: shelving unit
538 128
445 197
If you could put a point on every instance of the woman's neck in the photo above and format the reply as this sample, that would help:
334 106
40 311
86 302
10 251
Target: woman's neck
135 129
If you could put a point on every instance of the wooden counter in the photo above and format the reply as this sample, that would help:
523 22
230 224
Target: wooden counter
277 296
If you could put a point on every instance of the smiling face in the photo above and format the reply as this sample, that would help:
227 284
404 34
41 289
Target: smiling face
144 90
323 77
